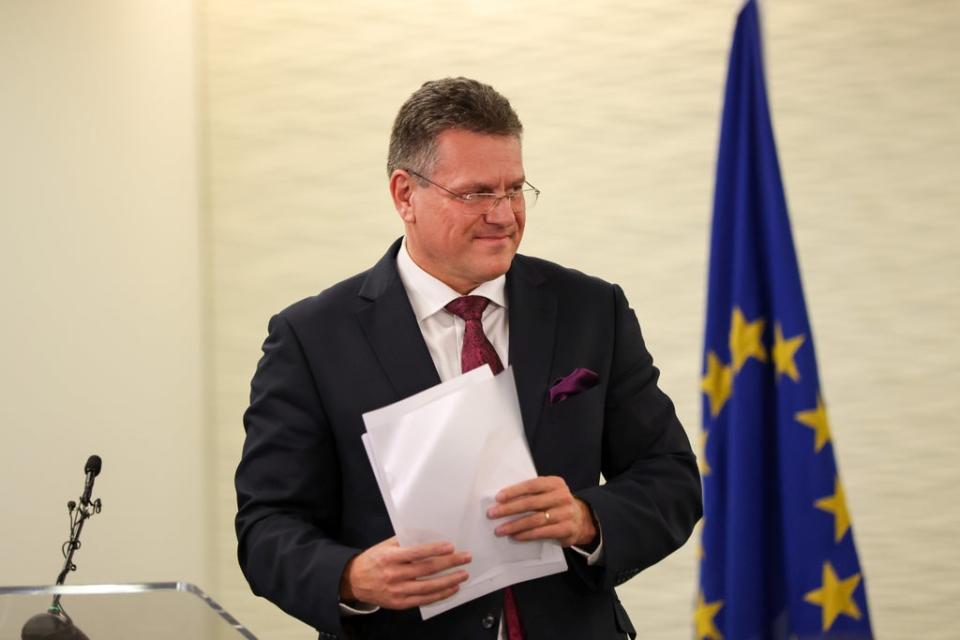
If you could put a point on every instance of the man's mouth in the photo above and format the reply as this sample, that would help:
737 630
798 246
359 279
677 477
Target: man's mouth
494 236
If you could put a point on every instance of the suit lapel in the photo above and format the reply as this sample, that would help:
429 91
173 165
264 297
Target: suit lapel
533 314
391 328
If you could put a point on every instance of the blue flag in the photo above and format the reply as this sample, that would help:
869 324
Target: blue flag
778 558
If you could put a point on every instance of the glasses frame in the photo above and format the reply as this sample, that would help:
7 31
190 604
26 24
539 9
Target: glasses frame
496 199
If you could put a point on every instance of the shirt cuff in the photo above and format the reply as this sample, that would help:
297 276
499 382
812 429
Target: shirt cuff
595 556
360 609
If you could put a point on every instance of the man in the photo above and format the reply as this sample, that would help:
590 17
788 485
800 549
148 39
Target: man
314 536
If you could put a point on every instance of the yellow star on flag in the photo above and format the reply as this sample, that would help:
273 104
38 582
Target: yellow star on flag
717 383
745 340
702 460
783 353
837 505
816 419
703 617
835 596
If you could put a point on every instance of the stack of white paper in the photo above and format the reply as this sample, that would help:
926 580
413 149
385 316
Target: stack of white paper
440 457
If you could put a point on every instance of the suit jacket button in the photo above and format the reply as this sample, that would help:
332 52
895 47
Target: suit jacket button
488 621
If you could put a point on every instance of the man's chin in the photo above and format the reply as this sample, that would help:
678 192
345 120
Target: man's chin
498 268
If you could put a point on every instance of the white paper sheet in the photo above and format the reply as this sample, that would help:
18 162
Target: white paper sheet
440 457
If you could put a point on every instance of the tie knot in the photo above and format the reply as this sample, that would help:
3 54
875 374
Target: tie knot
468 307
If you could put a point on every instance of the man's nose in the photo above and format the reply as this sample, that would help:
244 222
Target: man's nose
502 213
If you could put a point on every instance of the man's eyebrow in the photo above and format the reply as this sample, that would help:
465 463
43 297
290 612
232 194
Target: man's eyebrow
476 187
483 187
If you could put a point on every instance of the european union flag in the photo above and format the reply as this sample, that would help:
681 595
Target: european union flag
778 557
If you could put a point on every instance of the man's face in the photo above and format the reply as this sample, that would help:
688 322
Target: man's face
444 239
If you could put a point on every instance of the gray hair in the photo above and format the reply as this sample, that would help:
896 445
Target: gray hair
438 105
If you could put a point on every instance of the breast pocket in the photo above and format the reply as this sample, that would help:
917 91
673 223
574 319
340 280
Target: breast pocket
570 437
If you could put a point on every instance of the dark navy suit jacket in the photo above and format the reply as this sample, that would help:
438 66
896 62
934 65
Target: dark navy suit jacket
308 500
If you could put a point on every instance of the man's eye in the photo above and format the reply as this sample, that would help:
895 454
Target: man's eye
476 197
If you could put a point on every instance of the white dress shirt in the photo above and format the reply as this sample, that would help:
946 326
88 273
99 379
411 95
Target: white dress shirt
442 330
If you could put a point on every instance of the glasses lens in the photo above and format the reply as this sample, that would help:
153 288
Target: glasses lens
484 203
520 201
480 204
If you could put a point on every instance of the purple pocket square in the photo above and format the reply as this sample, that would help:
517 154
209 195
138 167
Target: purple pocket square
577 381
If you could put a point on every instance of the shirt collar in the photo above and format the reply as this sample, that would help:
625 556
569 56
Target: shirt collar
429 295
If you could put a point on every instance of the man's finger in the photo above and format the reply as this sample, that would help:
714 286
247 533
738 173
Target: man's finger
557 532
432 565
419 601
420 592
429 586
533 485
532 521
538 502
422 551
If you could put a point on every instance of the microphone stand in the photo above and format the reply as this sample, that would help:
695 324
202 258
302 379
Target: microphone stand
78 515
56 624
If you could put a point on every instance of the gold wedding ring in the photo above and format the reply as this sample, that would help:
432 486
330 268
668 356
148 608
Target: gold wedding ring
546 516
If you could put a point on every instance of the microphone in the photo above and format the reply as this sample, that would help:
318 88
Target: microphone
92 469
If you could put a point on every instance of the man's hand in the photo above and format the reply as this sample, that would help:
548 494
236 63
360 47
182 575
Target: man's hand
389 576
556 513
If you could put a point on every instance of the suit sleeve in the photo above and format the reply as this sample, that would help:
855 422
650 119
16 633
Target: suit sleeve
652 497
288 489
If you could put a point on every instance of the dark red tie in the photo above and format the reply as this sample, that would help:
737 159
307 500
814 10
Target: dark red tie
478 351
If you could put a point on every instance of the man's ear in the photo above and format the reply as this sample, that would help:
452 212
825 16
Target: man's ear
401 190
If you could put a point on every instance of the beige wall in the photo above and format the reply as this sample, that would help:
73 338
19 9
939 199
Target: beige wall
103 244
101 281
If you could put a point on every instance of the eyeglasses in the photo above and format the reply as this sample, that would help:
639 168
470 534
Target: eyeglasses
480 204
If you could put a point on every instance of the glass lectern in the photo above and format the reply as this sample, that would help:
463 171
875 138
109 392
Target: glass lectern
152 611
